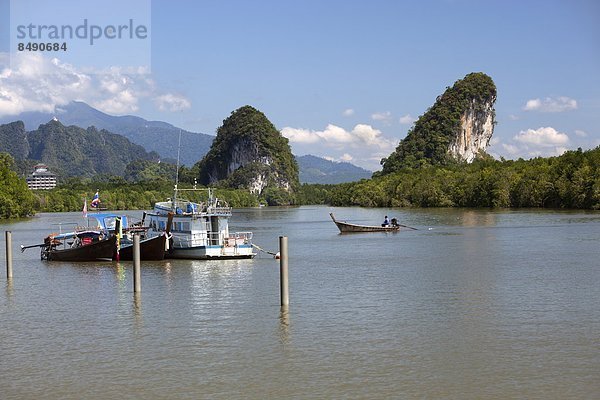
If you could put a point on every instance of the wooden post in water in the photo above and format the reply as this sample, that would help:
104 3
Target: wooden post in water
137 281
9 272
283 271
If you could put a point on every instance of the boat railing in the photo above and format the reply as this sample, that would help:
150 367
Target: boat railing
238 239
186 207
198 239
218 210
213 239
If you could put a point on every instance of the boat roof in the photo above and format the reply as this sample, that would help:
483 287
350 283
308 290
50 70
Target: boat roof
107 220
68 235
190 208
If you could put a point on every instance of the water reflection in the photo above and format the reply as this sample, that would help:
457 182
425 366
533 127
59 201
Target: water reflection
472 218
284 325
120 275
9 288
137 308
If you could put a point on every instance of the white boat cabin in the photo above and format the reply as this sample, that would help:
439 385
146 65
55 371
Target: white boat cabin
200 230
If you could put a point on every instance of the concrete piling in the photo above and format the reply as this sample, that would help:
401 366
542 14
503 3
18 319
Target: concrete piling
137 281
9 270
283 271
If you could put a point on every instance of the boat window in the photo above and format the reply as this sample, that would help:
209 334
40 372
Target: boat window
181 226
109 222
161 225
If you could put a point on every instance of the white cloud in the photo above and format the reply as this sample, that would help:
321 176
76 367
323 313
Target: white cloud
541 142
367 144
38 83
343 158
544 137
331 135
348 112
172 102
346 157
510 149
35 84
335 136
407 119
551 104
123 101
580 133
383 116
299 135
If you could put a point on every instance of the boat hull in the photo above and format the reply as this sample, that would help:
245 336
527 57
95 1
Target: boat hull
211 253
152 249
346 227
97 251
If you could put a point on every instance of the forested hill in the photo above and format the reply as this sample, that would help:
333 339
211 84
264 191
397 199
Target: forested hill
72 151
457 127
249 152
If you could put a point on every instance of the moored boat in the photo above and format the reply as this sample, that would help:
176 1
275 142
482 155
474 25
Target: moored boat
151 248
89 245
107 236
346 227
200 231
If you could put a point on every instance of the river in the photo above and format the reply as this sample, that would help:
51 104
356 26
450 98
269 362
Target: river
475 304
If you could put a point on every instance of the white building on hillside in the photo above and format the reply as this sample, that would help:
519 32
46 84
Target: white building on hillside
41 178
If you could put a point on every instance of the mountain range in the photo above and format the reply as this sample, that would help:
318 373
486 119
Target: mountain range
157 136
70 150
319 170
154 136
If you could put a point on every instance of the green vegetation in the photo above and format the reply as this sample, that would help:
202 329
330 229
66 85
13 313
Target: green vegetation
569 181
13 140
428 141
16 200
70 150
316 193
249 149
118 194
151 171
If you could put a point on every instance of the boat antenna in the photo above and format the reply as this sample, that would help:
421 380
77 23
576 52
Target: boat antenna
173 204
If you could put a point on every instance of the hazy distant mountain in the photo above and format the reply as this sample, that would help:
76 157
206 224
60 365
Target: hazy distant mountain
152 135
319 170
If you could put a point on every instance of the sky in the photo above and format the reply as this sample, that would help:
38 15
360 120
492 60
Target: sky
344 80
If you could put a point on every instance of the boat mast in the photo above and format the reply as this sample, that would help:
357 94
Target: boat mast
174 202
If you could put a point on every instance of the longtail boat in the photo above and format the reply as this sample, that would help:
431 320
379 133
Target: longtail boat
346 227
78 246
151 248
104 239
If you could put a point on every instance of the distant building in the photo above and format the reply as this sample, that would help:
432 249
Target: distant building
41 178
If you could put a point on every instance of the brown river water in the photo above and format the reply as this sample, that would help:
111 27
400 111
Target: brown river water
475 304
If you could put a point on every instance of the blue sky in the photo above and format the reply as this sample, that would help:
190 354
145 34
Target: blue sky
342 79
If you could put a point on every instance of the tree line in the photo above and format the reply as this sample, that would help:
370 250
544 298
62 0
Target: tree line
570 181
